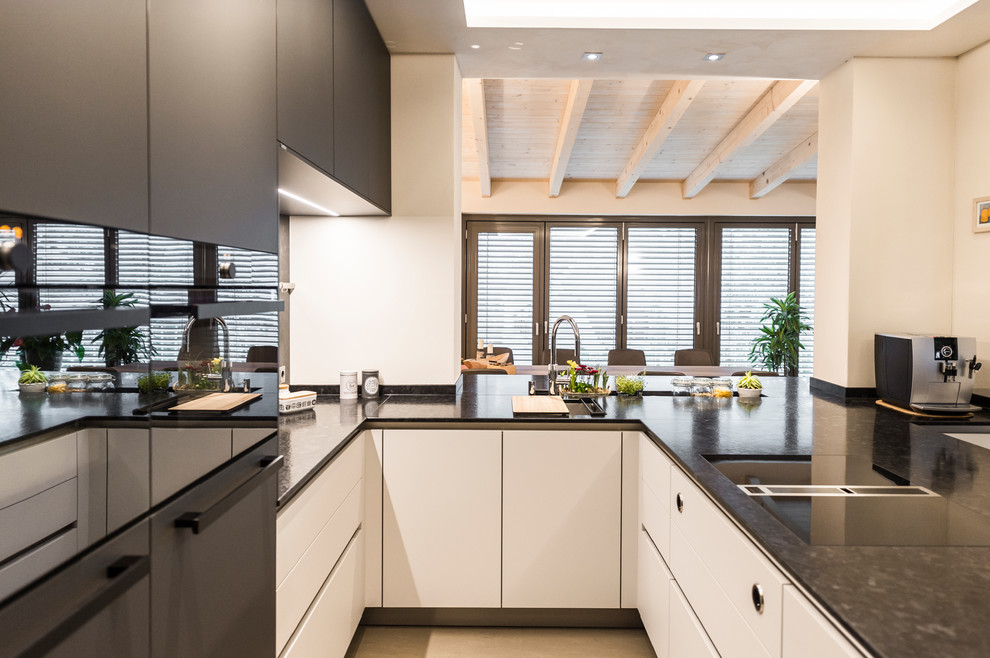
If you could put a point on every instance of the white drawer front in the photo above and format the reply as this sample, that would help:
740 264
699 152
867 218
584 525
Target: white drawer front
36 562
734 562
329 625
297 591
655 468
36 518
688 638
808 633
655 519
303 518
33 469
725 626
653 595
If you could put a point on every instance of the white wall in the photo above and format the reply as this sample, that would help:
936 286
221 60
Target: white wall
646 198
385 293
885 211
971 262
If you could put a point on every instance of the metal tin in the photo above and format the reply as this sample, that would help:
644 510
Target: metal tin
348 384
369 384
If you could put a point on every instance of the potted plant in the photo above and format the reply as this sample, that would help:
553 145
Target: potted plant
750 386
585 380
631 385
32 380
121 345
779 343
44 351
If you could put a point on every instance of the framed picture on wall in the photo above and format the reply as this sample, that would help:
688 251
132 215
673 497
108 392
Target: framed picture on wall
981 211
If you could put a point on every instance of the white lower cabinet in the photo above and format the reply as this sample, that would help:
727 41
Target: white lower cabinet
441 518
654 594
688 638
561 525
808 634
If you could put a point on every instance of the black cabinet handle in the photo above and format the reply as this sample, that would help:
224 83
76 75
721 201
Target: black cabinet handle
680 503
758 601
199 521
123 574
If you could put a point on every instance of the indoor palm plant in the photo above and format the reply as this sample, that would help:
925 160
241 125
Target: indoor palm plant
121 345
778 344
44 351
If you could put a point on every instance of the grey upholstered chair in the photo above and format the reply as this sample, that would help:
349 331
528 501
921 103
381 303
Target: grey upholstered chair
626 357
693 358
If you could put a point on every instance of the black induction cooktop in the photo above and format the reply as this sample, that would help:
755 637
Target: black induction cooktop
843 500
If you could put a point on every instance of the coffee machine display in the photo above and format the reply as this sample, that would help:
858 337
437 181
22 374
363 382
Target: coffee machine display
926 373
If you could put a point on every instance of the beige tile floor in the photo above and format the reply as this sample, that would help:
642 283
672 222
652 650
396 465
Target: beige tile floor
450 642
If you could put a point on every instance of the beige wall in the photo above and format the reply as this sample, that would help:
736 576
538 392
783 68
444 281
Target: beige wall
971 262
885 209
646 198
385 293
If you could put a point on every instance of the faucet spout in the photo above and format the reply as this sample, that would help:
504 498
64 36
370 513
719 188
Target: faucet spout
226 377
553 340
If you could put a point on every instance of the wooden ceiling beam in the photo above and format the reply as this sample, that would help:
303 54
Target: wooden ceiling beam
479 121
577 101
781 170
777 100
673 107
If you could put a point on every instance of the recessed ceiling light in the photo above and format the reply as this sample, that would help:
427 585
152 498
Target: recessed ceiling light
714 57
591 57
515 47
475 46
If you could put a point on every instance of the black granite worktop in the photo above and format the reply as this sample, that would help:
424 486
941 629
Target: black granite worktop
897 600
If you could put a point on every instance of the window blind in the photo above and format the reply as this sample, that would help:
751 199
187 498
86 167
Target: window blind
755 267
256 279
505 292
806 296
583 283
660 291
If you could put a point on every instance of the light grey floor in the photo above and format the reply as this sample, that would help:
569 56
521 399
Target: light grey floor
448 642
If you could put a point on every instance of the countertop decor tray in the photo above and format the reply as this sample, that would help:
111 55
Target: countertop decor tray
217 402
539 405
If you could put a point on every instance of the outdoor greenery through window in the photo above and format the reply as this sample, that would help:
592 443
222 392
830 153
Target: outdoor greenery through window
647 284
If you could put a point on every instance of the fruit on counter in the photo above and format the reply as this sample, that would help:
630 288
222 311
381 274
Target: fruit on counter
750 381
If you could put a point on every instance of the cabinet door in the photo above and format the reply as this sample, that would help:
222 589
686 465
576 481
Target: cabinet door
211 77
808 634
128 475
74 125
561 519
441 518
305 79
688 638
361 113
213 581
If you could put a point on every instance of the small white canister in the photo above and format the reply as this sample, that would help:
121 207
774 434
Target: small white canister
348 385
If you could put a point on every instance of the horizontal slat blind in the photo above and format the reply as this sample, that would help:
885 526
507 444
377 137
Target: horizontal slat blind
166 265
505 292
71 255
584 264
660 291
256 279
806 296
755 267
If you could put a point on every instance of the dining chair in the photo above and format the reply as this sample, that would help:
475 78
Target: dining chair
563 356
626 357
503 350
693 357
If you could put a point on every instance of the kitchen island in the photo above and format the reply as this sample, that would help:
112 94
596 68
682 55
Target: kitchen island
895 600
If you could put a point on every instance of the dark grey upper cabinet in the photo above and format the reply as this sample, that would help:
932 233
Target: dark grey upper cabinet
305 79
361 104
74 123
211 76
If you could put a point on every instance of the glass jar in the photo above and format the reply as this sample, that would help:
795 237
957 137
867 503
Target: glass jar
701 387
681 385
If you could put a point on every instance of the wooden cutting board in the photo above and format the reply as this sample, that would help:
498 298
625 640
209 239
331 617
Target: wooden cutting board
544 405
217 402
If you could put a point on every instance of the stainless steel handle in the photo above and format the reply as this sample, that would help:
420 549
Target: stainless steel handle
680 503
697 328
199 521
718 328
758 602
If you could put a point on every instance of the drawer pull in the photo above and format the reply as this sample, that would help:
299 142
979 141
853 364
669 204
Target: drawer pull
199 521
680 503
758 602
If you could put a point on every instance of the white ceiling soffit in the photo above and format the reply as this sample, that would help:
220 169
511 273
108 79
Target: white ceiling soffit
305 190
714 14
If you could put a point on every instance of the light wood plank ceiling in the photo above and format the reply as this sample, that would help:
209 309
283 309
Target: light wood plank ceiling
630 130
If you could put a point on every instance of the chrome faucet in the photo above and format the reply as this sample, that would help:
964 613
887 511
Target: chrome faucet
553 343
226 377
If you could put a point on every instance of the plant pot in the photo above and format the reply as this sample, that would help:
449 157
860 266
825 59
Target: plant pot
36 387
47 362
750 392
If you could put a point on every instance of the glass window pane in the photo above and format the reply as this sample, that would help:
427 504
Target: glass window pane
755 267
661 291
255 271
806 296
584 284
505 293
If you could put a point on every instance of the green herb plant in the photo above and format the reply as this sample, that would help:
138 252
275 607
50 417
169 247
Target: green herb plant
750 381
629 384
779 344
156 381
32 375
